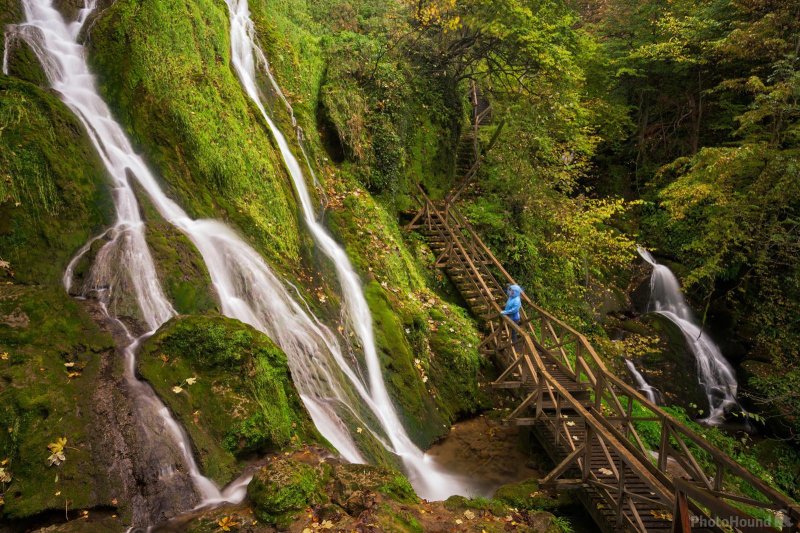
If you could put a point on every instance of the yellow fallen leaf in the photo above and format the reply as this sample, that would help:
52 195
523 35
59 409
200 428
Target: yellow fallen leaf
4 356
57 451
177 389
191 381
227 523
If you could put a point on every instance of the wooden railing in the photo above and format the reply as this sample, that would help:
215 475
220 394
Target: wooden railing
615 412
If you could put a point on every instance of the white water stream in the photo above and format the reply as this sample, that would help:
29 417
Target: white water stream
247 56
714 373
246 287
641 384
123 266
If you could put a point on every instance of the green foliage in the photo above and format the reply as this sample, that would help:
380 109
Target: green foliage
713 90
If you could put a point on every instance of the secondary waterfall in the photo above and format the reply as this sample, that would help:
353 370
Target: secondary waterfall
714 373
246 57
641 384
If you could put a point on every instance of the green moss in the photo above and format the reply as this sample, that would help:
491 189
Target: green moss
284 488
526 495
399 488
52 185
428 348
422 420
164 66
10 13
388 518
350 478
45 335
23 64
180 266
458 504
243 400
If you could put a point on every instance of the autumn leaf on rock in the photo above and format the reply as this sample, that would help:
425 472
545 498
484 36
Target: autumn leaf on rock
227 523
57 451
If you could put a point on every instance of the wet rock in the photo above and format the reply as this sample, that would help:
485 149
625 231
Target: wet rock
527 495
284 488
16 319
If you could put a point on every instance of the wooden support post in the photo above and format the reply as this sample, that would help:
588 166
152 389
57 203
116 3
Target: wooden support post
662 449
681 518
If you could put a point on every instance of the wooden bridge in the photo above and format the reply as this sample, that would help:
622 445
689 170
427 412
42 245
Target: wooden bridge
590 421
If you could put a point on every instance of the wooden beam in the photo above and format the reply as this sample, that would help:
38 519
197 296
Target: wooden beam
562 466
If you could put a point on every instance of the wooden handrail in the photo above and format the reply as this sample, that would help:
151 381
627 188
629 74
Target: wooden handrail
665 417
535 366
617 394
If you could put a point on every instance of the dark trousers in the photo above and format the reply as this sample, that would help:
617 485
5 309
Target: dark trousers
514 334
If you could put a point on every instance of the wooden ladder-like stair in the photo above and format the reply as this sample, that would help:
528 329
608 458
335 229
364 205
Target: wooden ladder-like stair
585 416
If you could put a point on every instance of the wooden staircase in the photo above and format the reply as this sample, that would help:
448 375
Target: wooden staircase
586 417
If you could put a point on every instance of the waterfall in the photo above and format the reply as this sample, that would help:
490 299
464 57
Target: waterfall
123 266
246 57
714 373
641 384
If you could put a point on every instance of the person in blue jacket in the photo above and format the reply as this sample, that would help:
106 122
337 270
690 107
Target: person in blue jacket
513 306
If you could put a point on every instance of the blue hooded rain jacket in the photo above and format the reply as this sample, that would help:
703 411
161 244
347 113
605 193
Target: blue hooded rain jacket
514 303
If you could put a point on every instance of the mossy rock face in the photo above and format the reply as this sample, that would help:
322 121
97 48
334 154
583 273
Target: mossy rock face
235 394
353 483
23 63
180 266
53 194
164 67
50 357
428 349
286 487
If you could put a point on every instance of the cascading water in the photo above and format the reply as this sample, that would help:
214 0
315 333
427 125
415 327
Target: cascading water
715 374
123 266
246 56
641 384
246 287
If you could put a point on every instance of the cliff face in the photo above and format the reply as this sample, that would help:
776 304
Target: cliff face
164 68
